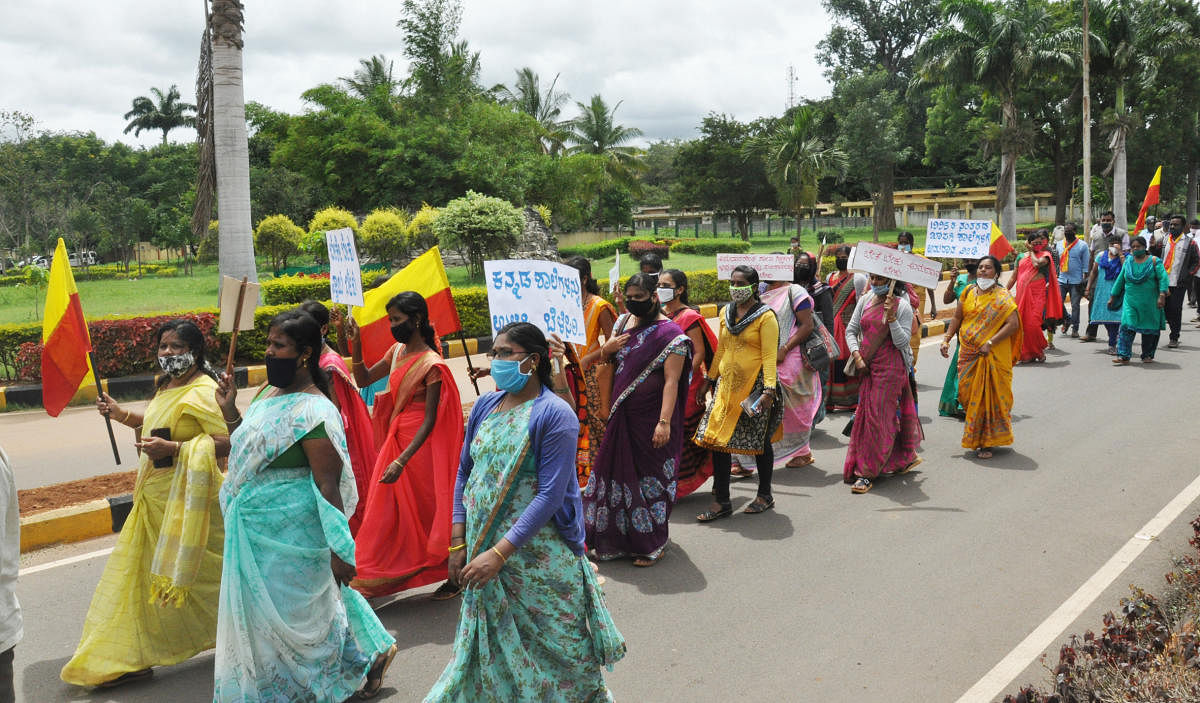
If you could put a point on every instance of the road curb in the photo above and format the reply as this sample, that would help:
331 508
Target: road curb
932 328
75 523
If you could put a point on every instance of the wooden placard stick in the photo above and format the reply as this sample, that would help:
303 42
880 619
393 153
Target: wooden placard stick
343 345
112 439
237 322
470 367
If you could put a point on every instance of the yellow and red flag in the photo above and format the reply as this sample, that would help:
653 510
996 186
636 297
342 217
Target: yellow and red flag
426 275
1151 199
65 337
1000 246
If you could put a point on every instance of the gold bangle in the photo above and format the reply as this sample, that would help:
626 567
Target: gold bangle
458 547
126 418
503 559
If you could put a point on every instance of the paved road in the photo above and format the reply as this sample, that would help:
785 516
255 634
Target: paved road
909 593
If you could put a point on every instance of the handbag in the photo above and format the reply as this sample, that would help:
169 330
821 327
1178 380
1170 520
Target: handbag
604 377
820 348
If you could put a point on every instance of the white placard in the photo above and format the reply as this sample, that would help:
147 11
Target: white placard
614 274
345 275
895 264
958 239
543 293
770 267
228 304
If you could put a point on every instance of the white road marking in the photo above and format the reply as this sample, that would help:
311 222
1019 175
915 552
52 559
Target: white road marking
1001 676
63 562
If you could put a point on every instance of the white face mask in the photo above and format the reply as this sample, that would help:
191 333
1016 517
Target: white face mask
985 283
666 295
1112 251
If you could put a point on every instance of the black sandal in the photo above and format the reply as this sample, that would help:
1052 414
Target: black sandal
862 485
759 505
446 591
725 510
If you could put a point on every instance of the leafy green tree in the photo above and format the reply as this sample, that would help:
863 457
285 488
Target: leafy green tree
421 235
718 172
999 46
594 131
526 96
796 158
480 227
374 77
872 124
442 68
278 237
384 234
165 112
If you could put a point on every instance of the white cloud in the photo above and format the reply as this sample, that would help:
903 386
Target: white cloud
77 65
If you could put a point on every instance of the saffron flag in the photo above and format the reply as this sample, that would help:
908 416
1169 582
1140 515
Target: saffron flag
65 339
426 275
1151 199
1000 246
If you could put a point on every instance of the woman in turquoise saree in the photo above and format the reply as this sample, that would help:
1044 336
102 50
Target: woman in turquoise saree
288 629
534 625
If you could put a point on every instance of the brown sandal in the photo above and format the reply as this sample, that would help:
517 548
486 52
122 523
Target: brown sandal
800 461
375 676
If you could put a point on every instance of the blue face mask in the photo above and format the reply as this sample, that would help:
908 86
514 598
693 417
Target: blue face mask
881 291
507 375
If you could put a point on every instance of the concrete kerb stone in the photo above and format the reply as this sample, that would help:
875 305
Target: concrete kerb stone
71 524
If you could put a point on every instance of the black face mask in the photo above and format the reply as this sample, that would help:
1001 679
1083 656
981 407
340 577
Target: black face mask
642 308
1106 226
403 332
1176 230
1069 236
803 273
842 264
281 372
971 269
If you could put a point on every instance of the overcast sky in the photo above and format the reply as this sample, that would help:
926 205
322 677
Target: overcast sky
75 65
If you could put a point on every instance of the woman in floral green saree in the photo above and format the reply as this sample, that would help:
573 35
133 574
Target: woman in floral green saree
534 625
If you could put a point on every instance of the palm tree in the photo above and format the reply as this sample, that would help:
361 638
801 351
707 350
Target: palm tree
374 76
593 132
999 47
231 155
796 158
526 96
164 112
1137 35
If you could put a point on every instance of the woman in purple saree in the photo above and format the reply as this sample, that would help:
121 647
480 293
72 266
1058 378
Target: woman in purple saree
629 496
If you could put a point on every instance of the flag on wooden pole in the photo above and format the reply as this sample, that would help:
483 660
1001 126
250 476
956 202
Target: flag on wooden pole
426 276
1151 199
65 338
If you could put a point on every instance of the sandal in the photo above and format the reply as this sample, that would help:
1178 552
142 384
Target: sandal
645 562
1087 338
375 675
800 461
862 485
759 505
724 511
983 453
739 472
1112 351
909 466
446 591
1121 361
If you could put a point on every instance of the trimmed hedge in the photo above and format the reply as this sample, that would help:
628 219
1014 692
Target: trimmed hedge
105 272
599 250
709 247
641 247
296 289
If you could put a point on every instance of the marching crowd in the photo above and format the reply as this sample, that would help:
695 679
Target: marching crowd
578 456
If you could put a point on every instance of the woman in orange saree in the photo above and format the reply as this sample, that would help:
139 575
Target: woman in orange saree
598 316
360 438
989 334
418 422
1039 301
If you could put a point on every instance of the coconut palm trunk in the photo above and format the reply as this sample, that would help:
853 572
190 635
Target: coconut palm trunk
1006 191
1120 203
236 241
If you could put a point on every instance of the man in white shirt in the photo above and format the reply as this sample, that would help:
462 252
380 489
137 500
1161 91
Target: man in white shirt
1098 237
11 628
1181 259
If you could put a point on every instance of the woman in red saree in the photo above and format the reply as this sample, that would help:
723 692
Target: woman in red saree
847 288
1038 299
418 421
695 465
360 438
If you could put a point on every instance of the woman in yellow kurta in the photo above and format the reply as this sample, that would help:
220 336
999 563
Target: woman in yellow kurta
156 603
989 336
744 369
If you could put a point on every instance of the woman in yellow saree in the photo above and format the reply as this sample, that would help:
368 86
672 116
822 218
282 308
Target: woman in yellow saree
156 603
989 336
